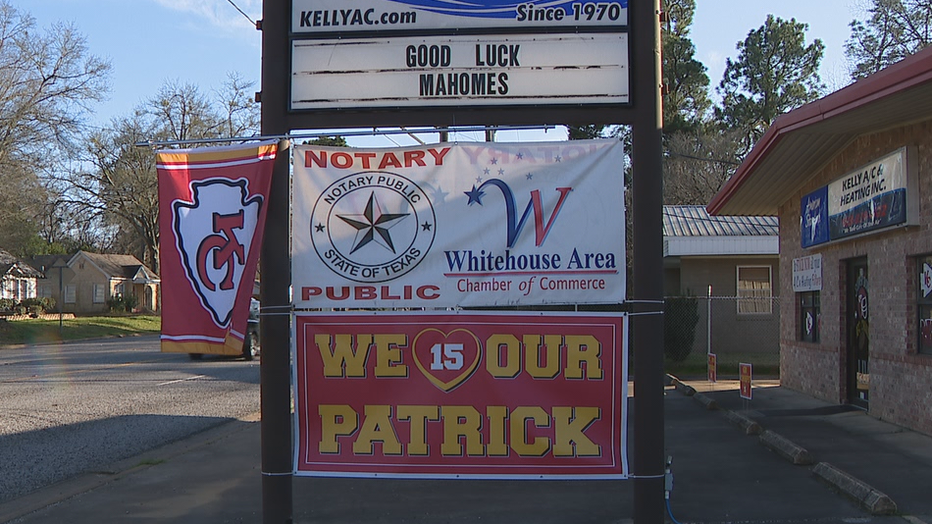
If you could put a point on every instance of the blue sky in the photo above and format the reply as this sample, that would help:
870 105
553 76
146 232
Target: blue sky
200 41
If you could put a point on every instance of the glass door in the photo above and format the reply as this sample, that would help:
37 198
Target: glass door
858 328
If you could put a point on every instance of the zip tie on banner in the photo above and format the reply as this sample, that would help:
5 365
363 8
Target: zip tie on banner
270 311
267 474
650 309
639 477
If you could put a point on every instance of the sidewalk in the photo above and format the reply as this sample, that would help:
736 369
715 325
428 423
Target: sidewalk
886 458
722 475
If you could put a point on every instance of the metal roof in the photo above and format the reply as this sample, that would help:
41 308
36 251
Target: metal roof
801 142
695 221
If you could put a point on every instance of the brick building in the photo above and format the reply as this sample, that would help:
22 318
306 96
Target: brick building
850 178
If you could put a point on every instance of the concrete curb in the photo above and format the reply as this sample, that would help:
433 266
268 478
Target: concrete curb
749 426
682 388
786 448
872 500
705 401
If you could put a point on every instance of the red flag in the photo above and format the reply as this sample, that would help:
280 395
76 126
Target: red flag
212 208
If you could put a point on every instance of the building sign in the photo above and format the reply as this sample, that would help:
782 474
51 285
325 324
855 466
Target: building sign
807 273
315 17
814 218
448 395
453 70
448 225
879 195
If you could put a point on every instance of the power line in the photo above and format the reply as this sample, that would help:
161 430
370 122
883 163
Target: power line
251 21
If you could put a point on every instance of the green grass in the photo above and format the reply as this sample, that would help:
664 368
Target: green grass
32 331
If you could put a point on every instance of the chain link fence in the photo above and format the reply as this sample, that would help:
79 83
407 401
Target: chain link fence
736 329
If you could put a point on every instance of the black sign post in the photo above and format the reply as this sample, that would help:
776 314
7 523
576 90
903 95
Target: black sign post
647 288
643 113
275 263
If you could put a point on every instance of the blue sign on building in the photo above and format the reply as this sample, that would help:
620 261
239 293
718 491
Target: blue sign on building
814 215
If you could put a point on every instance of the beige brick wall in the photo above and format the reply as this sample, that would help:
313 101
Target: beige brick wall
901 379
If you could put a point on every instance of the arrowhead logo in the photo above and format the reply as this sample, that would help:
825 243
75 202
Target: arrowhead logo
213 234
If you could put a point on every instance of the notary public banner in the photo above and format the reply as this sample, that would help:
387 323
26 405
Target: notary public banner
468 395
212 208
489 224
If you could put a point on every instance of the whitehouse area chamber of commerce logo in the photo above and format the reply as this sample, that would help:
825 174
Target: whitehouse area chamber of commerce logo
372 226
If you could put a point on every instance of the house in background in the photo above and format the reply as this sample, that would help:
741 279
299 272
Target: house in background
55 270
89 280
733 260
18 279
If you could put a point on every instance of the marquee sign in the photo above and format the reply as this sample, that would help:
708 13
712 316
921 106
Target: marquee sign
313 17
449 225
876 196
381 55
451 71
477 395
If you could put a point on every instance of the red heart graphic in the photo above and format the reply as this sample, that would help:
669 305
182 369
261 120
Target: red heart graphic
447 359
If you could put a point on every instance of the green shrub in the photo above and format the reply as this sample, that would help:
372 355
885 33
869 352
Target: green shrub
130 302
123 303
38 306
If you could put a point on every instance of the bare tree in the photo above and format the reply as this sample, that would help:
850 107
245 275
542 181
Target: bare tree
697 165
121 188
48 82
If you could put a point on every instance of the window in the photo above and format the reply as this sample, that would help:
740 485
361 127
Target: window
924 303
810 316
99 294
754 290
69 294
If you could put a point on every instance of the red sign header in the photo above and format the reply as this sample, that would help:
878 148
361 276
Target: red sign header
450 395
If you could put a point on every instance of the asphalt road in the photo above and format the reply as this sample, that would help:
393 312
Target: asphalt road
73 408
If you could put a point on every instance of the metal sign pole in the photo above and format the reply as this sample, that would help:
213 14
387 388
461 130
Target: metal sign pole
648 257
276 277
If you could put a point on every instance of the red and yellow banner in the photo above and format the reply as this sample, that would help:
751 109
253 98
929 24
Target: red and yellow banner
469 395
212 208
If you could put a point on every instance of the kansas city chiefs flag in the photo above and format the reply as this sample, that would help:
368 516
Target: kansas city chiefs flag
212 208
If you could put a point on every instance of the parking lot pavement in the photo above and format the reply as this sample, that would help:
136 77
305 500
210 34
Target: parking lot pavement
721 475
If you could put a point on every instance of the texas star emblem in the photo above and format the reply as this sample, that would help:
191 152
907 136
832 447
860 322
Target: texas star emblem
372 226
214 236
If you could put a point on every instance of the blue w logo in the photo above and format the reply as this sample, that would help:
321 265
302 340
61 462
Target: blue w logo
534 205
